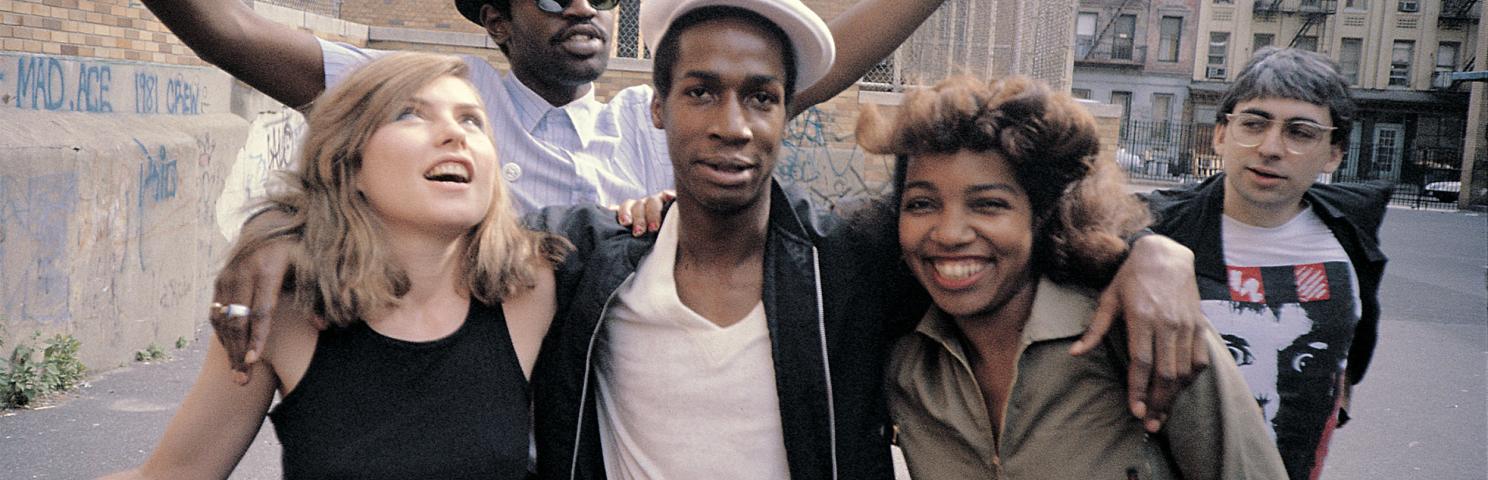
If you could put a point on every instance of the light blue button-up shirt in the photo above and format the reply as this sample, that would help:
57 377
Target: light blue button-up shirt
582 152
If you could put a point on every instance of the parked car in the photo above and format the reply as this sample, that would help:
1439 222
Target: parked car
1129 161
1444 191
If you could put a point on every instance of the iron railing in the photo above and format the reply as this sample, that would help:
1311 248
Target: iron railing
1117 53
1180 152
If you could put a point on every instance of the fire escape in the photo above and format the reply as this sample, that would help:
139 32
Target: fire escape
1313 13
1455 14
1121 49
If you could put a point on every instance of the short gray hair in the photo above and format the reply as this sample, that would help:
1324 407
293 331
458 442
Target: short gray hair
1297 75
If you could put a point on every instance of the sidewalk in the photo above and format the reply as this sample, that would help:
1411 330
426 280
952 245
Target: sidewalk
113 422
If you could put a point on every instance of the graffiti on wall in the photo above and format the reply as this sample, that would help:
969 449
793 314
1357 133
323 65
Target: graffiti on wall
158 177
72 84
208 178
178 95
34 212
273 139
158 181
41 83
833 176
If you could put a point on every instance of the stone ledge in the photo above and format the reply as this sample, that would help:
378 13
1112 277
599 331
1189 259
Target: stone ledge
311 21
431 37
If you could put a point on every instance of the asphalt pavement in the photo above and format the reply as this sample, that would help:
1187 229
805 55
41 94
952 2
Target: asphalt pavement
1422 410
1421 413
113 423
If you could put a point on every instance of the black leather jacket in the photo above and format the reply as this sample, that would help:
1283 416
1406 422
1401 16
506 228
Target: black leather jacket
827 320
1353 211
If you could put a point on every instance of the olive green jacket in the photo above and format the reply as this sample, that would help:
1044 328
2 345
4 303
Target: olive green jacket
1066 416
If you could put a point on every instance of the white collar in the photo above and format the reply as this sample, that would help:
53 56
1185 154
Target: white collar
531 108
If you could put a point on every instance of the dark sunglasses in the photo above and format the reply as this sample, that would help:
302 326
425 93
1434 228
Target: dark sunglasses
558 6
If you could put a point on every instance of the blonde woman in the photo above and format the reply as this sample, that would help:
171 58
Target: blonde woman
437 299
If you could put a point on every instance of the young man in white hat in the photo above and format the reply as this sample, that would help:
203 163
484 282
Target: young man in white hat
719 347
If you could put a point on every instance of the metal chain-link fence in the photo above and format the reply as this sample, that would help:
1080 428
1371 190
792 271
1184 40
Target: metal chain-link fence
1046 46
983 38
628 40
329 8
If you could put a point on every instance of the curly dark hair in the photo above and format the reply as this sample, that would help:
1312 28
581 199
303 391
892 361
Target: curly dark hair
1082 212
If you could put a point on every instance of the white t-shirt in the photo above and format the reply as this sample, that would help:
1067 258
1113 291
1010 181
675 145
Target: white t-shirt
679 396
1288 314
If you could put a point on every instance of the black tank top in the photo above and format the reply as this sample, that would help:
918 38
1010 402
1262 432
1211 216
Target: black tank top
372 407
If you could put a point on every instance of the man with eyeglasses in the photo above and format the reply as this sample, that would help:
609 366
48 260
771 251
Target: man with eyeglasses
559 145
1288 268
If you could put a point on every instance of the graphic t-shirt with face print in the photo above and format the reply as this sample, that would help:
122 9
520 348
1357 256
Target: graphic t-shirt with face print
1287 312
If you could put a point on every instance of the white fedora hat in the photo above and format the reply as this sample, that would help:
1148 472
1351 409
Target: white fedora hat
808 34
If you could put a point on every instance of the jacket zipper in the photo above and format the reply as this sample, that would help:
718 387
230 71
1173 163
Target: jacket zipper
821 323
573 469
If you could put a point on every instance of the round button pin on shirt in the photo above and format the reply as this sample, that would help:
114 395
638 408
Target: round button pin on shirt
511 172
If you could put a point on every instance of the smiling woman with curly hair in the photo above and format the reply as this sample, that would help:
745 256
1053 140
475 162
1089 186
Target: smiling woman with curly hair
1008 219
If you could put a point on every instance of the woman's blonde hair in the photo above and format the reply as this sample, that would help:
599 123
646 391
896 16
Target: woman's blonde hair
1082 212
344 271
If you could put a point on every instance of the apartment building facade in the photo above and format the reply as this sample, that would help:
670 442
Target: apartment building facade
1136 54
1398 54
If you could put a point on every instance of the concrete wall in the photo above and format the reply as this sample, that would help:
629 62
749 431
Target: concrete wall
111 177
1107 127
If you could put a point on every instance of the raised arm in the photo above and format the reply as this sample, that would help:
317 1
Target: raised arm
280 61
214 426
865 34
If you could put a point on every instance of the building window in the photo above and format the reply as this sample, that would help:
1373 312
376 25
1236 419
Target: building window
1170 39
1162 107
1084 33
1162 114
1124 38
1219 49
1263 40
1223 2
1446 63
1123 100
1356 4
628 31
1409 5
1311 4
1306 42
1446 56
1349 54
1400 62
1082 93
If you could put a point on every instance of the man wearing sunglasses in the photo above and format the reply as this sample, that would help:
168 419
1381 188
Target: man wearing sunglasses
559 145
1288 268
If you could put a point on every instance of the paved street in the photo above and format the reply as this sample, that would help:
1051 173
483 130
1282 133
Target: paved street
1422 410
1420 414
